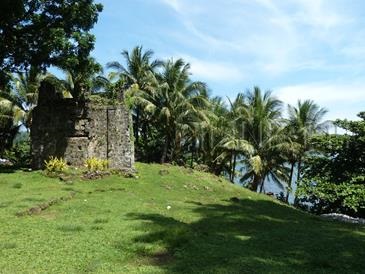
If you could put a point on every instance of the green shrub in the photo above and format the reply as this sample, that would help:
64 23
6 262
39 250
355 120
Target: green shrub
19 153
95 164
55 165
328 197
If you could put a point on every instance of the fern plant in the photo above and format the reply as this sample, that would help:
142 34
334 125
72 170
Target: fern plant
55 165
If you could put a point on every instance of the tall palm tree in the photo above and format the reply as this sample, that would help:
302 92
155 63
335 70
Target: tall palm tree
137 72
210 139
261 126
305 120
17 103
290 149
233 143
25 92
180 105
11 117
235 146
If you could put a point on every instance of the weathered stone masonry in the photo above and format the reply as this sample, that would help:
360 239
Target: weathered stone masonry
75 132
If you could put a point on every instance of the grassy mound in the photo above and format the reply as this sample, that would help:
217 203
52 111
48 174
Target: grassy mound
169 220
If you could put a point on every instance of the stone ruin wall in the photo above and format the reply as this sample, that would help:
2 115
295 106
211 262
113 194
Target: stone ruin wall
64 128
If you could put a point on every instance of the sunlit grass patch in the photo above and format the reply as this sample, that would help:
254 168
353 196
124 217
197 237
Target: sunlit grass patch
7 245
200 224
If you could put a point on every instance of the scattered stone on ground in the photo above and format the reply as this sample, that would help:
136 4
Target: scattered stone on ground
39 208
92 175
207 188
343 218
5 162
191 186
164 172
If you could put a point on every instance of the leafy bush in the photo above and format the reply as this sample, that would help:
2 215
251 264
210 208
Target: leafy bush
334 175
55 165
327 197
95 164
19 153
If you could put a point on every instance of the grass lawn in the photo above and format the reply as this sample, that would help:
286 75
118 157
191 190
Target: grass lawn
120 225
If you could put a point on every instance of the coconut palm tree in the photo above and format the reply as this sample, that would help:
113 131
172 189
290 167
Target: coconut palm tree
233 143
26 89
25 92
305 120
261 126
210 138
180 105
136 74
290 149
11 118
234 147
17 103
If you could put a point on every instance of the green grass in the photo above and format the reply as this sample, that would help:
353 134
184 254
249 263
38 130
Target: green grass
119 225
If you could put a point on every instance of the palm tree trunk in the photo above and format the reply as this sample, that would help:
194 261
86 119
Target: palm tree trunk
144 132
290 181
255 183
136 127
230 166
234 166
262 185
298 178
3 80
165 150
192 154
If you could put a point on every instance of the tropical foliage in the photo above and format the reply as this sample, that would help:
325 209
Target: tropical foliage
250 138
334 175
43 33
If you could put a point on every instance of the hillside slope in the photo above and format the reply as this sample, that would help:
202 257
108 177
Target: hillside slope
169 221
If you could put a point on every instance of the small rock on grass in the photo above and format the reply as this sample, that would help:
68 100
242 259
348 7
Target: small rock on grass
164 172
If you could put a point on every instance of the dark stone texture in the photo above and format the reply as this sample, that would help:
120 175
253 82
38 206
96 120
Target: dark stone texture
77 131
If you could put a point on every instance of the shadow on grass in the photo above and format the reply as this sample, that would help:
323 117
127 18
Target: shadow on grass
247 236
7 169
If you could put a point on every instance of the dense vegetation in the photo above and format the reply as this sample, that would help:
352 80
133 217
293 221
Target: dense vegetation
175 119
334 175
183 221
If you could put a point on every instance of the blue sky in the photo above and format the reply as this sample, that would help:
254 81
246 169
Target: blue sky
299 49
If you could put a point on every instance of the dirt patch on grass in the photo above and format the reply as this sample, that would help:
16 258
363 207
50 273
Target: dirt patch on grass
161 258
43 206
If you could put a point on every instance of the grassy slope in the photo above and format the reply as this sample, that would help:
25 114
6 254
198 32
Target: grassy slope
123 225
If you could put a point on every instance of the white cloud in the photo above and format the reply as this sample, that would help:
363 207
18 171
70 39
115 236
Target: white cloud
277 36
213 71
174 4
322 92
341 99
266 40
